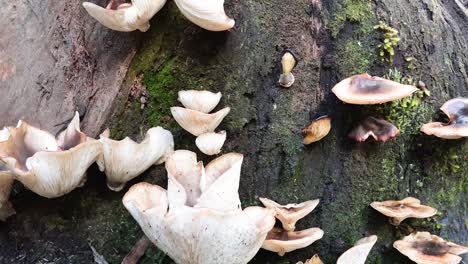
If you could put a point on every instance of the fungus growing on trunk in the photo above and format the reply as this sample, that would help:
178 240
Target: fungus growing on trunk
208 14
457 127
197 123
211 143
358 254
400 210
379 129
317 130
281 241
314 260
288 62
364 89
201 101
424 248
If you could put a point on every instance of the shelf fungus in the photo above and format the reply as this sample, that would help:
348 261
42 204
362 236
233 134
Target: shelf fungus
314 260
282 241
317 130
379 129
201 101
198 123
208 14
124 160
288 62
358 254
199 218
400 210
211 143
424 248
363 89
48 166
457 127
291 213
121 15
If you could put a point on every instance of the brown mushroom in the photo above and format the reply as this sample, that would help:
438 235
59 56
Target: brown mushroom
457 127
281 241
314 260
364 89
379 129
400 210
317 130
424 248
288 62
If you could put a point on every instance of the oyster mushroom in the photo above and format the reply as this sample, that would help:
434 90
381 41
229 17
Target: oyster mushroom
424 248
358 253
208 14
379 129
314 260
196 122
190 222
400 210
289 214
317 130
211 143
288 62
125 159
282 241
364 89
202 101
457 111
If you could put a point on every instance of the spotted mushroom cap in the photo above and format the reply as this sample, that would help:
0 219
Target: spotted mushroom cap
407 208
457 111
379 129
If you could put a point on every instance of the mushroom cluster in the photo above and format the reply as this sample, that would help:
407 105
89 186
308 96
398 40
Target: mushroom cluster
123 15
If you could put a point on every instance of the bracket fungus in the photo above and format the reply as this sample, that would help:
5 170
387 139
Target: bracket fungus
400 210
120 15
125 159
424 248
363 89
199 219
197 123
282 241
201 101
358 254
317 130
48 166
457 127
208 14
288 62
379 129
314 260
211 143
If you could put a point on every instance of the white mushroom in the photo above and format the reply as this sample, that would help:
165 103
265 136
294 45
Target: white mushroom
202 101
211 143
196 122
208 14
358 253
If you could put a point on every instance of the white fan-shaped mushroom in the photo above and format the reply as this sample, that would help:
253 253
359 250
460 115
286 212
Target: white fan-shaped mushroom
208 14
211 143
124 160
202 101
196 122
126 17
358 253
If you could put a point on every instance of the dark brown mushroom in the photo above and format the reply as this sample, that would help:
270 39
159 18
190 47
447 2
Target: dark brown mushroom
379 129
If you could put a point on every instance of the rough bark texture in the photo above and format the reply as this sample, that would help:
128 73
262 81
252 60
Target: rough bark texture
334 40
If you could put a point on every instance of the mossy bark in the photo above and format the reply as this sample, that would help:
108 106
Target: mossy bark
333 39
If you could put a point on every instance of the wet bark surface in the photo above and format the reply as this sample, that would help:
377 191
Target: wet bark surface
333 39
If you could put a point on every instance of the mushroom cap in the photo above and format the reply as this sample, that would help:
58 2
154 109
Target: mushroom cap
196 122
281 241
202 101
126 17
457 111
289 214
286 79
72 135
288 62
317 130
379 129
364 89
407 208
208 14
211 143
424 248
125 159
314 260
358 254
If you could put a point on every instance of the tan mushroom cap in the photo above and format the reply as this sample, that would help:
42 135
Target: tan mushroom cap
281 241
289 214
424 248
400 210
317 130
378 129
197 123
364 89
457 111
288 62
358 254
314 260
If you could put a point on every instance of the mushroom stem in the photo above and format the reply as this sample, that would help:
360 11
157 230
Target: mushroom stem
396 220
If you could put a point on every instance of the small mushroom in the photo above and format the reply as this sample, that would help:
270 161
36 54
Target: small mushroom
424 248
202 101
281 241
400 210
196 122
120 15
364 89
379 129
289 214
125 159
288 62
457 127
208 14
211 143
317 130
358 253
314 260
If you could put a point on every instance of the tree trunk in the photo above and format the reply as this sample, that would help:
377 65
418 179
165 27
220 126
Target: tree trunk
75 62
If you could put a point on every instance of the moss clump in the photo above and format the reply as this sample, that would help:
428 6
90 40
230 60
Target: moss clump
353 57
390 40
354 11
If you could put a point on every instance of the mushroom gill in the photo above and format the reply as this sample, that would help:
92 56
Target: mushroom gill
281 241
379 129
457 127
358 254
317 130
400 210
